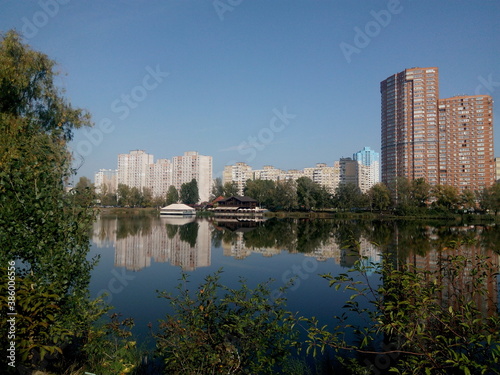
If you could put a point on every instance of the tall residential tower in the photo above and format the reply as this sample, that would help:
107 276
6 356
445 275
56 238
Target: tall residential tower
444 141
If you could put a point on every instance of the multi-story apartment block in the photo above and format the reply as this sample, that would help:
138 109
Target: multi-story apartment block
368 168
409 125
238 173
268 172
426 137
160 177
329 177
349 171
192 165
137 169
133 168
466 157
497 169
106 180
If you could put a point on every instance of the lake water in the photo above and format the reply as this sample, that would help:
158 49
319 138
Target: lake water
141 255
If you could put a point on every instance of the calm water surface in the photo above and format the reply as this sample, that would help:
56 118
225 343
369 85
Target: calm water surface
140 255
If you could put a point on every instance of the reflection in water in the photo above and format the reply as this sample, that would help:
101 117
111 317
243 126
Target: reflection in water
187 242
184 243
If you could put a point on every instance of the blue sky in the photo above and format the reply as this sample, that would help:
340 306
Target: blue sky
287 83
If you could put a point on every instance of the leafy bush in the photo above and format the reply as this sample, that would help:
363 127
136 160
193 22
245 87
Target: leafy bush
420 321
223 330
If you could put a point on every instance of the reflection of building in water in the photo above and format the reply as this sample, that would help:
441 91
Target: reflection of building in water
191 257
234 245
187 245
437 263
104 232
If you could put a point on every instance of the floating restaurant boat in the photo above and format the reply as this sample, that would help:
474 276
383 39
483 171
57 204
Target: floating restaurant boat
177 209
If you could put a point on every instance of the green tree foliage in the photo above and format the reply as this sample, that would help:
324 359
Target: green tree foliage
217 189
260 190
230 189
311 195
106 197
285 196
445 197
489 198
41 227
84 192
172 195
219 330
467 199
432 321
348 196
379 197
189 192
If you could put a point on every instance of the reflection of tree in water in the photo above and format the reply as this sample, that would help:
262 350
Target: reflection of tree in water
189 233
131 226
490 238
404 238
171 230
312 234
272 233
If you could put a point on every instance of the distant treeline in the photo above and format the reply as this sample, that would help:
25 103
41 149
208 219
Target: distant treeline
405 197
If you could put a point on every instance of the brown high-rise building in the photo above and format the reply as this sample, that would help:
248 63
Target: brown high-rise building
444 141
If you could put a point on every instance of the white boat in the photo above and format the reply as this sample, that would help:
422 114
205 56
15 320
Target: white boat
177 209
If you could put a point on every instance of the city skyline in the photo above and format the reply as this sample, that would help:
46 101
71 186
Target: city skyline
296 83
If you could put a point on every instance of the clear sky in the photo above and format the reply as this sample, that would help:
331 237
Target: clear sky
288 83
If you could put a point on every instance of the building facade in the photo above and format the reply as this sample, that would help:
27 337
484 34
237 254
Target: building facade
159 177
133 168
425 137
106 180
190 166
368 168
238 173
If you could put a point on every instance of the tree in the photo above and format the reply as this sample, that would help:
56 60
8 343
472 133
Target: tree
468 199
260 190
124 195
189 192
286 195
490 198
420 192
379 197
445 196
84 192
42 228
230 189
306 196
217 189
172 195
348 196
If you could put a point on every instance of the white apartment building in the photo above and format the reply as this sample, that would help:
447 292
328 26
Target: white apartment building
268 172
159 177
133 168
327 176
368 168
108 178
238 173
192 165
